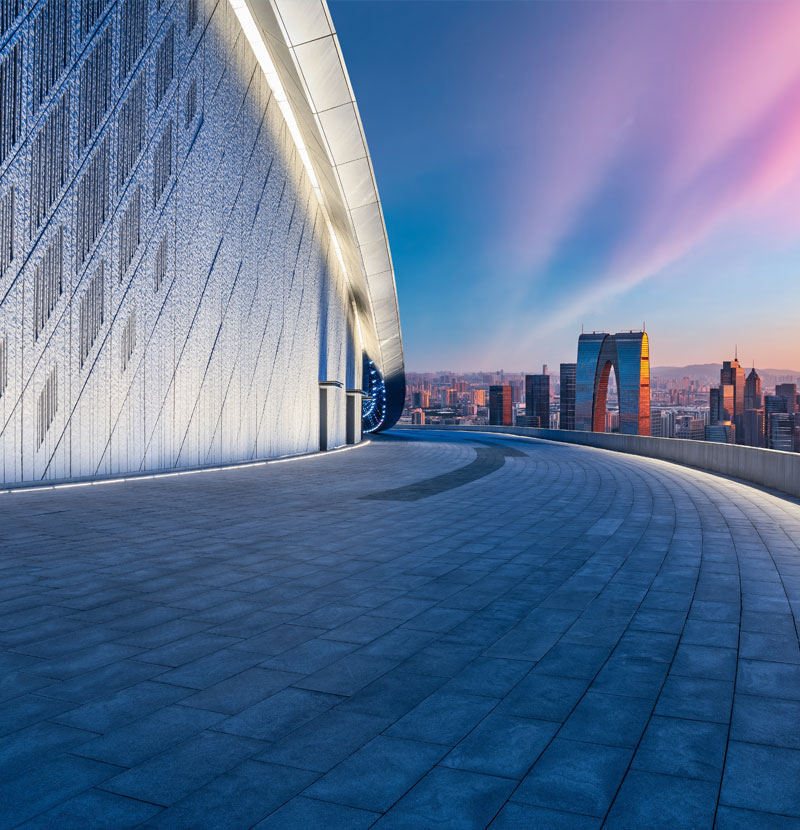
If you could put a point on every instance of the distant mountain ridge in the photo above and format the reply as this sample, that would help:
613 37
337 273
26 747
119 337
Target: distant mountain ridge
710 371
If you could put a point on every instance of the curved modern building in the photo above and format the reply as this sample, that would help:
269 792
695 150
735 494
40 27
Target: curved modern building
194 266
628 354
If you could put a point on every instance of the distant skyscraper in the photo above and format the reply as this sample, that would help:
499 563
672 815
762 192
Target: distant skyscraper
500 406
752 391
721 404
656 424
732 374
480 397
537 398
781 431
567 407
662 423
752 428
719 433
693 429
773 404
788 391
714 405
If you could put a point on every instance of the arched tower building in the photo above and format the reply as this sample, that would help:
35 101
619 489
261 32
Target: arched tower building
628 354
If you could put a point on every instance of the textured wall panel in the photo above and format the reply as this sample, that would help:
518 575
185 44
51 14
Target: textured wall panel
223 304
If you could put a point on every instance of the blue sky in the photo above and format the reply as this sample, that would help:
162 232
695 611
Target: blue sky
551 164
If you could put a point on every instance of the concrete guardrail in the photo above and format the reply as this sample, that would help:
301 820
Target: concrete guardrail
773 469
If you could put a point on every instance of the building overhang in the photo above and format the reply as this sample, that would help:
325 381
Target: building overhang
295 43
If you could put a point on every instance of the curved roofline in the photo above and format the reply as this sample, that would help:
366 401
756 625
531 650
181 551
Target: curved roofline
296 45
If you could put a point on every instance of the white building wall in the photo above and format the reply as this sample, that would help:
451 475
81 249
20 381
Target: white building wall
227 356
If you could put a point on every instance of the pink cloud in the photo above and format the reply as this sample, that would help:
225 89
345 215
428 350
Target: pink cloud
707 93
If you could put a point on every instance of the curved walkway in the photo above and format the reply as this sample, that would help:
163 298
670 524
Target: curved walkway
431 631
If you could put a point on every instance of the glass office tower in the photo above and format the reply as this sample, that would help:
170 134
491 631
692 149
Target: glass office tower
732 375
537 398
567 396
500 407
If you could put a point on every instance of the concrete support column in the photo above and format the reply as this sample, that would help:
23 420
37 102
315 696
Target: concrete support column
327 400
354 397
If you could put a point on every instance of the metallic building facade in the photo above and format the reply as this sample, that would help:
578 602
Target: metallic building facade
193 261
627 353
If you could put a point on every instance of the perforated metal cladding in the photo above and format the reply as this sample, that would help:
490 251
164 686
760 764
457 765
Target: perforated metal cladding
198 301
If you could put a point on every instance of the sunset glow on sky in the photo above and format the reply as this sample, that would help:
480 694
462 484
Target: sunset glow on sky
546 165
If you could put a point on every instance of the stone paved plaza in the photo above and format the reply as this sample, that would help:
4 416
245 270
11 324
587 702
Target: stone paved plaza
429 631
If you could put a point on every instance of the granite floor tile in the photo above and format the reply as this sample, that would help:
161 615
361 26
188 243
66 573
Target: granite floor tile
647 801
172 775
766 720
94 809
696 698
326 740
733 818
502 745
394 694
209 670
33 790
135 742
279 714
121 707
572 776
236 799
489 677
608 719
377 775
27 710
310 814
768 679
443 718
349 674
449 799
631 677
232 695
28 746
523 816
687 748
762 778
543 696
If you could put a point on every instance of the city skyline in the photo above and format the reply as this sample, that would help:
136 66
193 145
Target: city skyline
528 193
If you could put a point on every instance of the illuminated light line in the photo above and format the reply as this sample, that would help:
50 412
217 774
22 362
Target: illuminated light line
262 55
39 488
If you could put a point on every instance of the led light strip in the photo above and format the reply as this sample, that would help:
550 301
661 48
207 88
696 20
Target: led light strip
39 488
253 35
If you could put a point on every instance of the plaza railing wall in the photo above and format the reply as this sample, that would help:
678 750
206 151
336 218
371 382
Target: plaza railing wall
773 469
